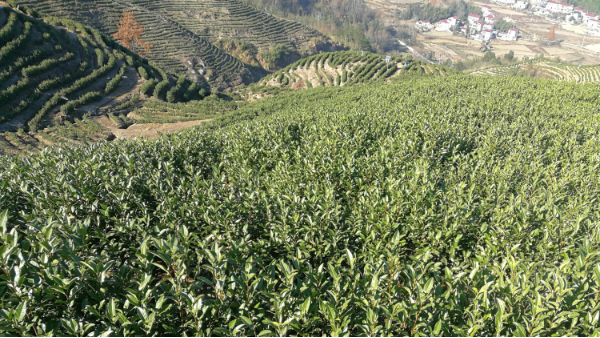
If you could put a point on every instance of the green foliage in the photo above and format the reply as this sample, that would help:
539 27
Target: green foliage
46 65
274 55
355 68
509 56
148 87
159 90
13 46
503 26
176 93
489 56
143 73
434 13
114 82
8 31
83 100
425 207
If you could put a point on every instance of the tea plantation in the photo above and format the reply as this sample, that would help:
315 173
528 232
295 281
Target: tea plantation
183 33
423 207
551 70
52 73
347 68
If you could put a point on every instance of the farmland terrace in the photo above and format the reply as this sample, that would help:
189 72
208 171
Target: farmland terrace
183 32
56 73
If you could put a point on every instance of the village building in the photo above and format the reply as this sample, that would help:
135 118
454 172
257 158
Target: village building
443 26
490 18
559 7
511 35
593 24
473 18
521 5
487 35
424 25
486 9
587 17
479 25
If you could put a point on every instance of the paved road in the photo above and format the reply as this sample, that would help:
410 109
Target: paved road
412 50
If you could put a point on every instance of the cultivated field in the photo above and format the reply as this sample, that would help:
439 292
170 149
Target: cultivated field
183 33
429 206
578 74
55 73
342 69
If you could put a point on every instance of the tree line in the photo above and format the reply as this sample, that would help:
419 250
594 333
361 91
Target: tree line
352 22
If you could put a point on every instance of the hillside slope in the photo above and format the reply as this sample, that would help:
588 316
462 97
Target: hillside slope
347 68
425 207
344 68
183 32
546 69
53 73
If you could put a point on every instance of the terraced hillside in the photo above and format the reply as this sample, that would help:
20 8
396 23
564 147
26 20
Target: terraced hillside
213 19
183 32
552 70
345 68
52 79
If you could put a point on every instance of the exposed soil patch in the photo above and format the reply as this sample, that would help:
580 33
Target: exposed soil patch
149 130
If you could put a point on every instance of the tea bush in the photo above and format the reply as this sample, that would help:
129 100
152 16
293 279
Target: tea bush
425 207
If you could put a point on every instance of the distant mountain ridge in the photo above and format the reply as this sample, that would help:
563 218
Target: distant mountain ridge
184 33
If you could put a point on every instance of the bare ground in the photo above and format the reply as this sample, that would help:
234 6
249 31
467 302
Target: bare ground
150 130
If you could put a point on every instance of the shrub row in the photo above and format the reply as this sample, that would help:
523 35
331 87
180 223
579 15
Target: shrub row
148 87
160 89
11 47
81 101
8 31
143 73
46 65
37 55
114 82
78 84
174 94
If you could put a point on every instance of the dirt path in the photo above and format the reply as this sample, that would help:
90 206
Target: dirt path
149 130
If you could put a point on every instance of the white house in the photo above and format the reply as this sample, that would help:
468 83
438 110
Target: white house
521 5
587 17
490 18
511 35
473 18
488 26
479 25
443 26
486 9
593 24
487 34
453 20
424 25
559 7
